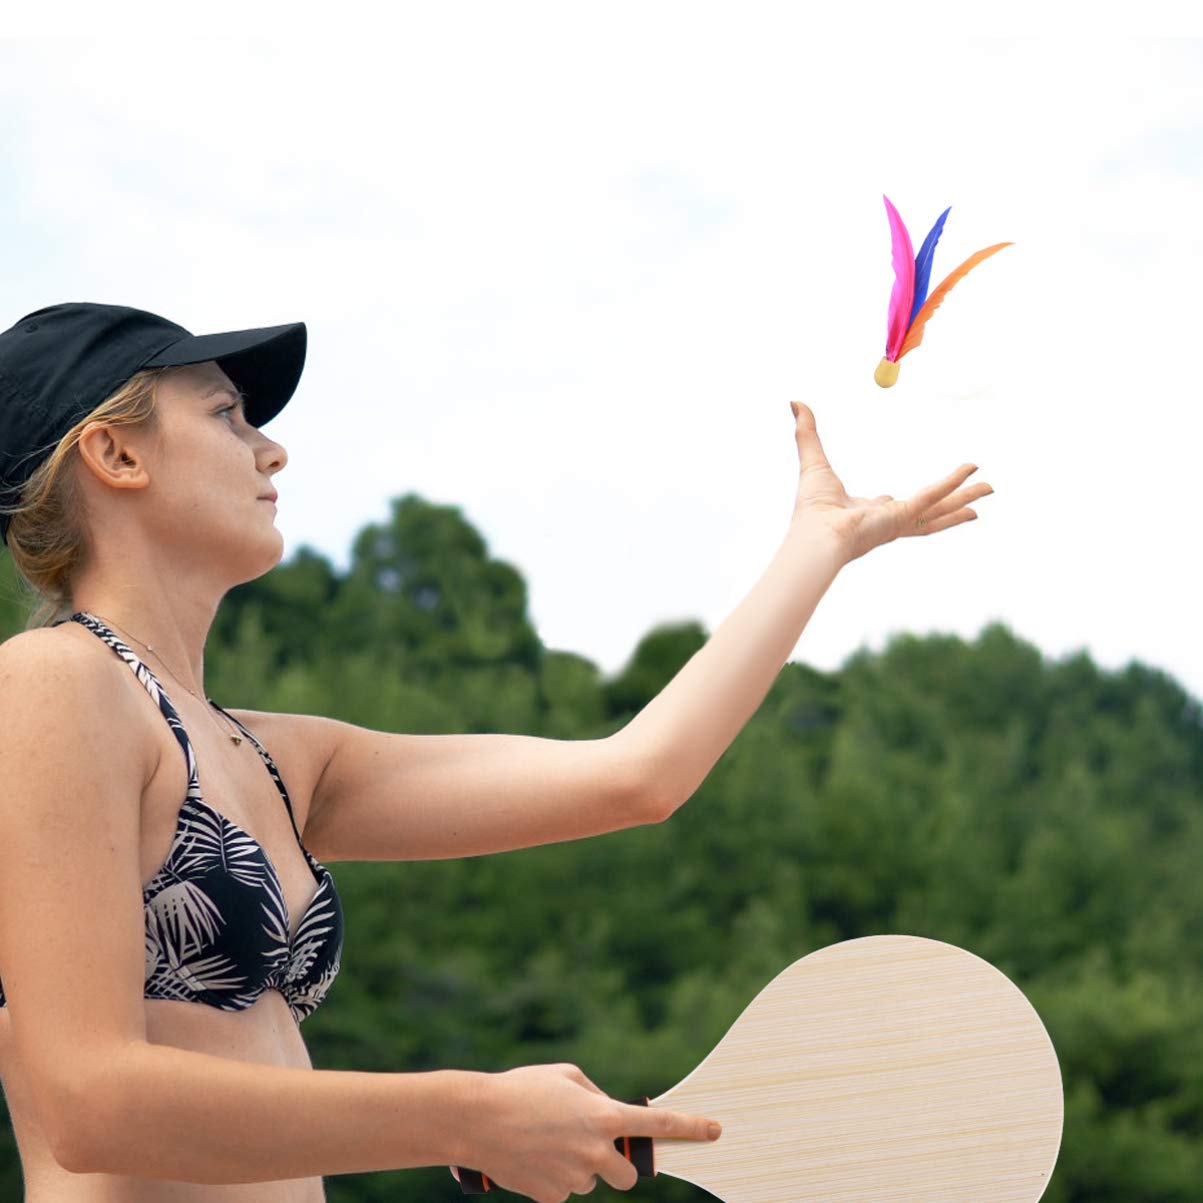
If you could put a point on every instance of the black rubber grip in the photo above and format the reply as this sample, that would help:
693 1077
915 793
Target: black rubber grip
636 1149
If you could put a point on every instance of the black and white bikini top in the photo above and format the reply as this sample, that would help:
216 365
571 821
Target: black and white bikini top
217 928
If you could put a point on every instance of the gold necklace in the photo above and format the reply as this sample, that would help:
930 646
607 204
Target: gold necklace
234 739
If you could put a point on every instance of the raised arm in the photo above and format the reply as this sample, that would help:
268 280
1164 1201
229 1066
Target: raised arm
692 721
682 732
72 963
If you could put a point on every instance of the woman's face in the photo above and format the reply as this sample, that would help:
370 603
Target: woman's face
194 485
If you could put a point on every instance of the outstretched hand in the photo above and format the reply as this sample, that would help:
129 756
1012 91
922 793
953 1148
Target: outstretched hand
862 523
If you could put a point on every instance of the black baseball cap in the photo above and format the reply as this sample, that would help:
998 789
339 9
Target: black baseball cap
59 363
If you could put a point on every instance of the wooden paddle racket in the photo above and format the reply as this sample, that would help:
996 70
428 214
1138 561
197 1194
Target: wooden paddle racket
887 1069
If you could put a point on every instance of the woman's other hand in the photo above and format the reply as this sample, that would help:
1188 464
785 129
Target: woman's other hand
862 523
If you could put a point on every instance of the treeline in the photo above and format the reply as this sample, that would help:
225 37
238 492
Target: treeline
1043 815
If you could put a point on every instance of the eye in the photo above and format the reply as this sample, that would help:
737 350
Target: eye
228 409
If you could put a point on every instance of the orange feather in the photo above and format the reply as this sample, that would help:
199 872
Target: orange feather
914 336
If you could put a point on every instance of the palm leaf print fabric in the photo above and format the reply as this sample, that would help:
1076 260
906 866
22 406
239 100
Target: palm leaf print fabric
217 927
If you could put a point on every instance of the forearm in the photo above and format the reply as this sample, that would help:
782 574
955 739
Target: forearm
681 733
192 1117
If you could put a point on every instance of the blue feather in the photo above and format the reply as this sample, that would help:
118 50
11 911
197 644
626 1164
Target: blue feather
923 264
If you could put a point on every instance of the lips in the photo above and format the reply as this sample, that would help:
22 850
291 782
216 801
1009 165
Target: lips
269 497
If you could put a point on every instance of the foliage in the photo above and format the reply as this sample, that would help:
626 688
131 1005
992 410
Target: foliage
1043 815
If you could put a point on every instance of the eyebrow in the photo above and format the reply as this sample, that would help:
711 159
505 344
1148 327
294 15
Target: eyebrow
225 388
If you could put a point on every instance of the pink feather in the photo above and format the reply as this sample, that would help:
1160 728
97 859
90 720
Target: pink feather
904 283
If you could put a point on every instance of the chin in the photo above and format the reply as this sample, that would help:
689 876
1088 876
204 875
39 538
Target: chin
256 556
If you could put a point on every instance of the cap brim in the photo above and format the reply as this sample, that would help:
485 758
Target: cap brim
265 364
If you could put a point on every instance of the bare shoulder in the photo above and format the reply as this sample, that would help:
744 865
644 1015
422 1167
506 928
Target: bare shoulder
55 661
60 651
300 744
60 641
35 637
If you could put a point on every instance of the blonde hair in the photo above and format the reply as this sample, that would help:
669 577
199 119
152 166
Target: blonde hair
48 533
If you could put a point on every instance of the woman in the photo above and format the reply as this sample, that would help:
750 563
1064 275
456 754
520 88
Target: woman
150 1047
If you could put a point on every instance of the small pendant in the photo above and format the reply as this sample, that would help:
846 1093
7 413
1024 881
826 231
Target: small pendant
236 739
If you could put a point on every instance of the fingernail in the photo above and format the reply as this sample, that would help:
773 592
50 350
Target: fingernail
713 1131
794 406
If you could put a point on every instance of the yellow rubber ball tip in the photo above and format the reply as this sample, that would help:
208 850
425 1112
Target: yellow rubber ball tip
886 373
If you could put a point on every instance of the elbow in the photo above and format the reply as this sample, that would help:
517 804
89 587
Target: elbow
641 800
67 1154
651 806
76 1128
642 796
63 1136
664 811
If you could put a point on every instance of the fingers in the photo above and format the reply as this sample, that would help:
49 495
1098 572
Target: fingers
921 515
960 498
949 512
661 1123
926 498
925 527
656 1122
618 1171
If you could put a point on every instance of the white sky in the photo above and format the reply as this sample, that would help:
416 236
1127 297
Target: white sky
566 265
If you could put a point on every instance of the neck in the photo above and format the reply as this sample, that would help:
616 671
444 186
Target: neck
161 637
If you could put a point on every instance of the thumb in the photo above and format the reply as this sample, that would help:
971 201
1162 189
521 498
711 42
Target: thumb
810 449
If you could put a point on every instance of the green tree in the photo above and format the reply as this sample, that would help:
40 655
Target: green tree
1044 815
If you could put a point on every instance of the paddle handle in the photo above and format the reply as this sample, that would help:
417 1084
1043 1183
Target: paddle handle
636 1149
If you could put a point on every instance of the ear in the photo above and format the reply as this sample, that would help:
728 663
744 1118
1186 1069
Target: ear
116 455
